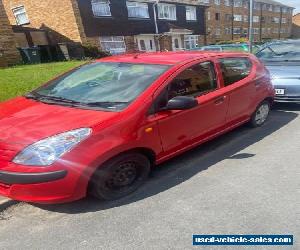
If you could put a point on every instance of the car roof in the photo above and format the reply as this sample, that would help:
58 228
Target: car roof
167 58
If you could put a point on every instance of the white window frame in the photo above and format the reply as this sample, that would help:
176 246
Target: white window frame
101 8
277 9
134 7
20 11
237 18
191 13
256 19
208 15
192 40
246 18
217 2
237 3
108 43
165 13
276 19
283 20
227 3
235 31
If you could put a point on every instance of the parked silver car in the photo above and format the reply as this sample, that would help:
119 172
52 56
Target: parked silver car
282 58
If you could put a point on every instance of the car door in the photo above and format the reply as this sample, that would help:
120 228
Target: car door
238 81
180 129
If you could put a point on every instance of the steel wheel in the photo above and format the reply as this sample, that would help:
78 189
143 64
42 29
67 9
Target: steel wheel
120 176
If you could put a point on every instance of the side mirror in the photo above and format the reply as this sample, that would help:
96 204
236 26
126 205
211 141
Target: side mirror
181 103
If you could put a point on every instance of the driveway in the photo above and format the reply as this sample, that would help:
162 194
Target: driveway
245 182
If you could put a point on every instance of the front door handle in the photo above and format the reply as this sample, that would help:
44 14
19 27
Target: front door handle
220 100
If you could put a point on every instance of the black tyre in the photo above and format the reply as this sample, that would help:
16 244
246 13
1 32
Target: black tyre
120 176
261 114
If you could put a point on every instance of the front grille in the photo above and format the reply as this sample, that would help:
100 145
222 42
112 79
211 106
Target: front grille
287 98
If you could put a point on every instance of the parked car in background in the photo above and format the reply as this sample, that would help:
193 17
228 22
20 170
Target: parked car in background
102 126
282 58
240 47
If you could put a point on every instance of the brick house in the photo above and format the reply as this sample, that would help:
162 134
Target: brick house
296 26
229 20
115 25
8 52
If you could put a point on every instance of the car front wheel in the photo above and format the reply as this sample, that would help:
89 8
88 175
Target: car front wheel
261 114
120 176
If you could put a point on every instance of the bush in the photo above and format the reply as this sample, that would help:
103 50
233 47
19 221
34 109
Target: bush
93 52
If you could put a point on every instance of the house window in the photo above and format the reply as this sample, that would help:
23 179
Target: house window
166 11
237 3
237 18
217 2
256 19
101 8
227 2
277 9
191 13
218 16
228 17
275 30
218 32
245 18
245 31
256 6
270 7
276 19
255 31
138 10
113 44
283 20
236 31
208 15
191 41
20 15
227 31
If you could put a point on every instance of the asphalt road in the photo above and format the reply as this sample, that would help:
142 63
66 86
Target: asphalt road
245 182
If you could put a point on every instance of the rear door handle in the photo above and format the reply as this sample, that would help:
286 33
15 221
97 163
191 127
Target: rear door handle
220 100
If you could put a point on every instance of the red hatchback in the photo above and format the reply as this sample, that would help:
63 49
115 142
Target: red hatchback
102 126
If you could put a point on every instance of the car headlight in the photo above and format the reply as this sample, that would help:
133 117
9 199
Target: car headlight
47 151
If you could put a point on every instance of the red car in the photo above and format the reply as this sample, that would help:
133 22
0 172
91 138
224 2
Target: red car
101 127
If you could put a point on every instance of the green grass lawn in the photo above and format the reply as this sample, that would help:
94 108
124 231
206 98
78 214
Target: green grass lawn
15 81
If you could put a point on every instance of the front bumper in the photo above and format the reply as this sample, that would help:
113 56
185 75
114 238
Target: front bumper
292 99
10 178
55 185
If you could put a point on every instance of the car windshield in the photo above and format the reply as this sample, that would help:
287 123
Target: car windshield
104 85
280 52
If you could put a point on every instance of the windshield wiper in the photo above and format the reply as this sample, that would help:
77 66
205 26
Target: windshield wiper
105 104
46 98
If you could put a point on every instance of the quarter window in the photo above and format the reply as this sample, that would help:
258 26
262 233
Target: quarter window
235 69
20 15
101 8
166 11
194 81
191 13
138 10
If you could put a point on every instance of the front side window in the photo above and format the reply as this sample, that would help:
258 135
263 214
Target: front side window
101 8
137 10
105 85
235 69
113 44
20 15
191 14
166 11
194 81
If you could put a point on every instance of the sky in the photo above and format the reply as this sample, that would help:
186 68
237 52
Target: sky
292 3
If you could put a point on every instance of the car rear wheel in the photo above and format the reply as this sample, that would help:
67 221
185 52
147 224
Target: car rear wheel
260 115
120 176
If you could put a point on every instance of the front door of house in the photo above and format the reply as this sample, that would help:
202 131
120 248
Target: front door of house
146 43
176 43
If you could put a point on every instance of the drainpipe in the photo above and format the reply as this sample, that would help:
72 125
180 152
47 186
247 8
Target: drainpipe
251 26
155 16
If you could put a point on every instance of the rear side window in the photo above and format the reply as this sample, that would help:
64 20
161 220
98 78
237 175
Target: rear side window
235 69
